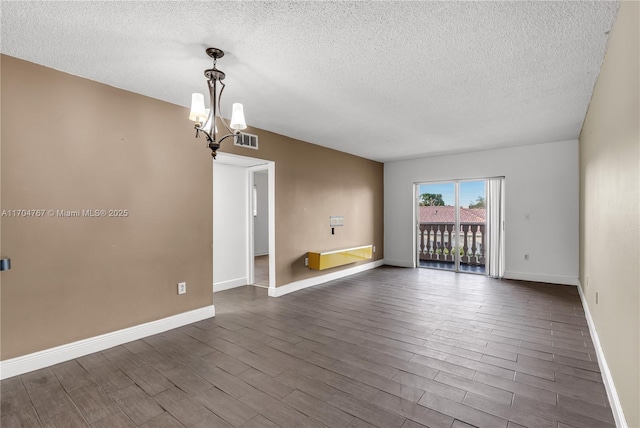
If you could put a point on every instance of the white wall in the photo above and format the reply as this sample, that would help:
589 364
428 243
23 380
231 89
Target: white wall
541 180
230 212
610 216
261 221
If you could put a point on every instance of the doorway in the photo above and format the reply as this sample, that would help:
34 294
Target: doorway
259 213
243 190
451 225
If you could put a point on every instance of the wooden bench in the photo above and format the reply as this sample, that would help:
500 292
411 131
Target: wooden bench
330 259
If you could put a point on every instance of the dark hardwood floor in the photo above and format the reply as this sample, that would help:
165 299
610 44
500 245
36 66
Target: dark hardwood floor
390 347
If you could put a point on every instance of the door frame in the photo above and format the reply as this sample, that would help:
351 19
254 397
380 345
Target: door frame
250 165
270 167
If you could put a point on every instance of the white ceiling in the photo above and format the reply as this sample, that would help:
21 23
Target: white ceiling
382 80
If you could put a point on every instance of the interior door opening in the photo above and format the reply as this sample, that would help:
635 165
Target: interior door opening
260 217
243 190
451 225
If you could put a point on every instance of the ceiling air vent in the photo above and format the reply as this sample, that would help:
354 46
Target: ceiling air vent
247 140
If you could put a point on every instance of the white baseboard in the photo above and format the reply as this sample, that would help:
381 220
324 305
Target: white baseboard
316 280
232 283
399 263
49 357
612 393
551 279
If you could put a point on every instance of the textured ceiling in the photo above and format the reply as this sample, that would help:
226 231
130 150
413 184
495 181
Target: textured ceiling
382 80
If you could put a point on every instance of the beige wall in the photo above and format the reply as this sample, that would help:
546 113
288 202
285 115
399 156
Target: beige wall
610 209
312 184
70 144
73 144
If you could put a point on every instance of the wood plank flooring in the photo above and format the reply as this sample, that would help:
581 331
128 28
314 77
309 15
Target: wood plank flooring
390 347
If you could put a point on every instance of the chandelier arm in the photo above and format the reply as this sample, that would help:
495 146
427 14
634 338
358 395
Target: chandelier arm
199 129
219 113
211 136
233 134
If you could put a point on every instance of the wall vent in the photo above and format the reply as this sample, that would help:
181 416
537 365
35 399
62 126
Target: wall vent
247 140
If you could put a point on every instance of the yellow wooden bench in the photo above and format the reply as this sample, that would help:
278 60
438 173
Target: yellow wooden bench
331 259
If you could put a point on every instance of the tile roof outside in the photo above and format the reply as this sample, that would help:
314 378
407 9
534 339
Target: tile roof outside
446 214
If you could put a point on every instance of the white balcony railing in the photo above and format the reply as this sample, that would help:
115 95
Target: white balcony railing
435 242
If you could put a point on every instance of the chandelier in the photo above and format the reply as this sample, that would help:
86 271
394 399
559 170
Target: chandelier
205 118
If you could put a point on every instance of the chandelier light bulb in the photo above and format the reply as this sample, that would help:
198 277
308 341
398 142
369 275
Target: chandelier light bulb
198 112
237 118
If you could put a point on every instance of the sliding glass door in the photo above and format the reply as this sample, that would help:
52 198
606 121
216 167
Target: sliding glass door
436 225
451 225
472 225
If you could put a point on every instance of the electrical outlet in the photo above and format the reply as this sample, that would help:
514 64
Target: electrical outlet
374 248
526 257
587 284
306 261
527 216
596 297
182 288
